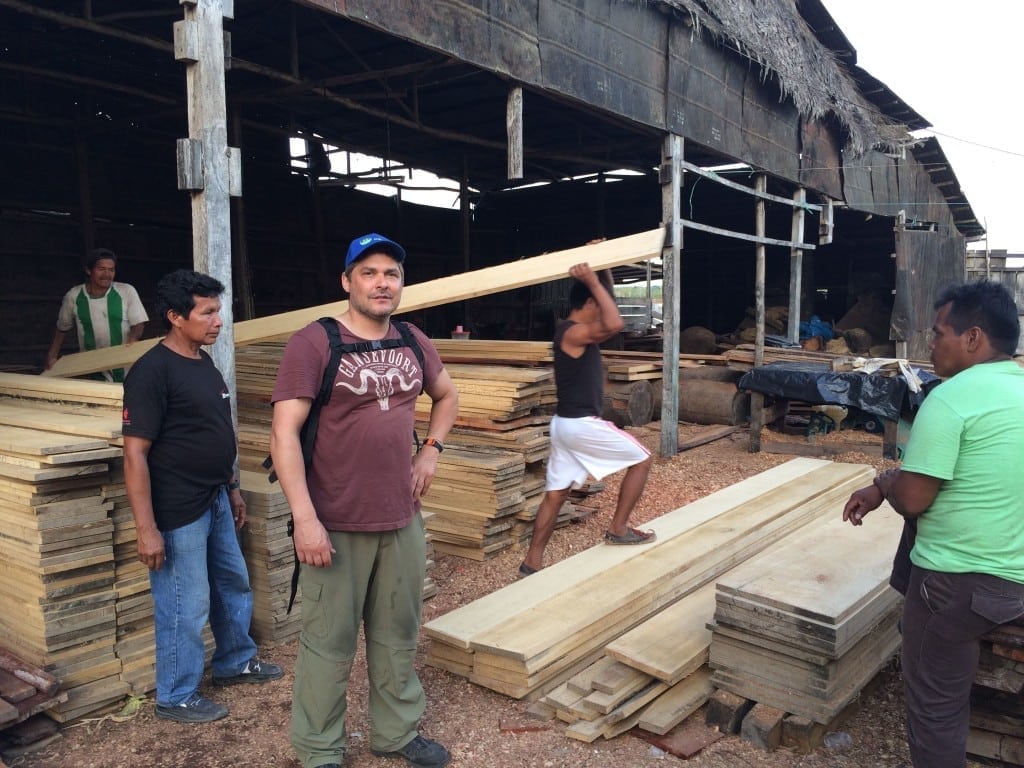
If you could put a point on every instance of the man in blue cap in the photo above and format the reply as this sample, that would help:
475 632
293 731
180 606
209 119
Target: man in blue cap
358 533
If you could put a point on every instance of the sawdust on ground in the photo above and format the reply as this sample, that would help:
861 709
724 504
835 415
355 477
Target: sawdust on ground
466 717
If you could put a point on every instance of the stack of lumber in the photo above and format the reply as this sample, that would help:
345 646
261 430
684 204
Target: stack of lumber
496 393
134 606
25 690
803 627
529 637
997 711
653 676
474 498
270 555
58 608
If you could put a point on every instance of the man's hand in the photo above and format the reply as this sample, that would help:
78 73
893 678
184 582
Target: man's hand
312 543
237 507
150 545
861 502
424 467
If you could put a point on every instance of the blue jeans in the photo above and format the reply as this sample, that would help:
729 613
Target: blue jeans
204 576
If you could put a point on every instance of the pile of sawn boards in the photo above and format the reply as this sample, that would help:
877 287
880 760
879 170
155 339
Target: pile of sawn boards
546 630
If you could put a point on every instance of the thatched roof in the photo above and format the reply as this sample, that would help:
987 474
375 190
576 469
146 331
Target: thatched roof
773 34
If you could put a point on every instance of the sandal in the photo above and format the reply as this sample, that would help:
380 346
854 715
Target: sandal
525 570
631 536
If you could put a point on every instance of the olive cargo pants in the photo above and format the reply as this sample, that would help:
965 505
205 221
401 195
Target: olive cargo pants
376 578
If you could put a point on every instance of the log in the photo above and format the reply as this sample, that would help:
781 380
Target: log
467 285
628 403
713 402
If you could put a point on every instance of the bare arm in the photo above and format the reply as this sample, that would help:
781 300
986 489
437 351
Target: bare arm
312 544
137 483
443 411
609 320
54 352
909 493
135 333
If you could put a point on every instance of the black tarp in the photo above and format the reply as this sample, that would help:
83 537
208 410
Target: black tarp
883 396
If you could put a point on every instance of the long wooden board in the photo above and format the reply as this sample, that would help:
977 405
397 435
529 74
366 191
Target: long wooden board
458 627
482 282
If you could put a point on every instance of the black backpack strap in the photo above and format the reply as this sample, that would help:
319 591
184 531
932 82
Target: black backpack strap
409 340
308 433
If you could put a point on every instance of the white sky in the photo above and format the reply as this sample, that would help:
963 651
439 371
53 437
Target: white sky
959 66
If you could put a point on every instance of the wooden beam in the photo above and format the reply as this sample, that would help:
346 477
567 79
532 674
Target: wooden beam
482 282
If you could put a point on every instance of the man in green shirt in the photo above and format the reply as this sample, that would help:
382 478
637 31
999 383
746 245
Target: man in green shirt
961 481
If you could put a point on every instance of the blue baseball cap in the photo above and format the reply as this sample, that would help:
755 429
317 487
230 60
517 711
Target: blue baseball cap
373 243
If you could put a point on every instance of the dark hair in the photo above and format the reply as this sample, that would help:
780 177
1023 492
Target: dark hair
989 306
95 255
580 292
178 290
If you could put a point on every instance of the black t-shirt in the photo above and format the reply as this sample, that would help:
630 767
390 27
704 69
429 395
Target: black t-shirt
578 380
184 407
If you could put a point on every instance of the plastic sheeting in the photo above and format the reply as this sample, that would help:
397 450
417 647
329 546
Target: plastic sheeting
883 396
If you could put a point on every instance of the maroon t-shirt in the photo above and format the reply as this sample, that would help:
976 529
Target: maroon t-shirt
360 478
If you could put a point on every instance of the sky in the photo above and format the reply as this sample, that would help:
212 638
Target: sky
959 66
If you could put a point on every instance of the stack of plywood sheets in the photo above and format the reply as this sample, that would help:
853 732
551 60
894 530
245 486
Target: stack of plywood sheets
474 498
805 626
530 636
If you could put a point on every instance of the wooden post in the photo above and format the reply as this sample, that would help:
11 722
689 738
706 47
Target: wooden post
207 167
757 399
796 259
514 128
671 178
241 244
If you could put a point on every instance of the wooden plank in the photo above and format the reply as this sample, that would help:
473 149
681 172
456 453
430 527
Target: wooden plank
672 643
102 423
482 282
679 702
460 625
38 443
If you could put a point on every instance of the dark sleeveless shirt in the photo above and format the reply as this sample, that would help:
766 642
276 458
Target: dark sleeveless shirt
578 380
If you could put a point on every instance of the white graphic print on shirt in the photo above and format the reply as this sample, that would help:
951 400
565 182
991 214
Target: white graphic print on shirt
384 368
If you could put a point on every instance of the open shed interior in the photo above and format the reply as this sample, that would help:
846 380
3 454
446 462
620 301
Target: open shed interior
92 102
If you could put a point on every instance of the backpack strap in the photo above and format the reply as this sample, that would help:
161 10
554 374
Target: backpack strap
307 435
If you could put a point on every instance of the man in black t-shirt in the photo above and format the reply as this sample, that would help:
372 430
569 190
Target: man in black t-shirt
179 458
582 443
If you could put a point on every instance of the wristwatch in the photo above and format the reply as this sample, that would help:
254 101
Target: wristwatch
434 442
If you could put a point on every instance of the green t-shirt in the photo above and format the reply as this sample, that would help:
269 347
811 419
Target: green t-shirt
969 432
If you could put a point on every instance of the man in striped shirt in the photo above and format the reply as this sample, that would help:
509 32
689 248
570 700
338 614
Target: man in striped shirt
105 313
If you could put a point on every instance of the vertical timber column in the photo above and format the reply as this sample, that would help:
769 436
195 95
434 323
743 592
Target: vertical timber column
671 178
796 266
207 167
514 129
757 399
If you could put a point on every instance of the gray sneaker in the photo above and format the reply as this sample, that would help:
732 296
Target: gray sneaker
255 671
421 752
195 709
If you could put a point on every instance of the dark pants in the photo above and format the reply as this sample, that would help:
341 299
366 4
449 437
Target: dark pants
944 616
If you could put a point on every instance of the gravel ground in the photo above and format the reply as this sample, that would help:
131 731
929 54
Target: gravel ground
464 716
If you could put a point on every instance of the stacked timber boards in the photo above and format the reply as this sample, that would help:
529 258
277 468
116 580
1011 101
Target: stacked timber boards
58 606
804 626
525 639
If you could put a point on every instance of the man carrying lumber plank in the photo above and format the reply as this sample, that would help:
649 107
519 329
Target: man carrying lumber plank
104 312
355 505
179 456
582 443
961 482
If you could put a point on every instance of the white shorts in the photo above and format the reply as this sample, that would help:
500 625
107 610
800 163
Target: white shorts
588 446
